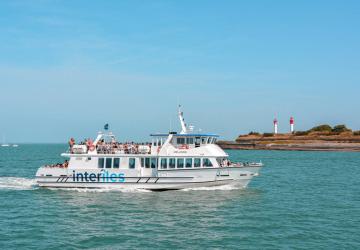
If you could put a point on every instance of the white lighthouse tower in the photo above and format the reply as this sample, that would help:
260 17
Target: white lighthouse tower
275 126
291 124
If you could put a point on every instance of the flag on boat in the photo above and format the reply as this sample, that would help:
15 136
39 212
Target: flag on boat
106 126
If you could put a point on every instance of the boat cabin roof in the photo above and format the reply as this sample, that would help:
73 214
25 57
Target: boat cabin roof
186 135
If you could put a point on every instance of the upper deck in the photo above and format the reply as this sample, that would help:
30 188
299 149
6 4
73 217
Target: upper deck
185 142
159 141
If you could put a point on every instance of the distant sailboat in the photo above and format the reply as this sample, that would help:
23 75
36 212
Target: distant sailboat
15 145
4 144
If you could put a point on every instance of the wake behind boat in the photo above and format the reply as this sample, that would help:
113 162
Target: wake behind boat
171 161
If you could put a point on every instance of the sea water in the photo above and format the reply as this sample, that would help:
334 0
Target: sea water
301 200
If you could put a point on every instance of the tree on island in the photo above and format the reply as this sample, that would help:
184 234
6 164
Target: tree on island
321 128
325 128
340 129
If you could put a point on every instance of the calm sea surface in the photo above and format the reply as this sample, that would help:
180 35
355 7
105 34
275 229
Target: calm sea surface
301 200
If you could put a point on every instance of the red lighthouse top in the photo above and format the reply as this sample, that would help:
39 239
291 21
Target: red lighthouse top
291 120
275 121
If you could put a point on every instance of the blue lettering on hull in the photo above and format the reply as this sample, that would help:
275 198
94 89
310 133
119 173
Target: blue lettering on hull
103 176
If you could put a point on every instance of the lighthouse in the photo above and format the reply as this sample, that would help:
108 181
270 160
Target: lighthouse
275 126
291 124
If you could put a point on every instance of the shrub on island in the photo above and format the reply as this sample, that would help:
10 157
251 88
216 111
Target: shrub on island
301 133
254 133
321 128
356 132
268 134
340 129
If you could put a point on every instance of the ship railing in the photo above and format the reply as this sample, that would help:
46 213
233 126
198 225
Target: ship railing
112 148
99 151
247 164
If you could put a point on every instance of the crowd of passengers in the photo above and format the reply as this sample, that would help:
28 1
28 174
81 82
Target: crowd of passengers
103 147
112 147
59 165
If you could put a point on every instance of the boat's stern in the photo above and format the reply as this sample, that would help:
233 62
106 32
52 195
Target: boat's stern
47 174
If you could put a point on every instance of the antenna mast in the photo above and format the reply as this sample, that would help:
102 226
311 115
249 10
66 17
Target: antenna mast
182 122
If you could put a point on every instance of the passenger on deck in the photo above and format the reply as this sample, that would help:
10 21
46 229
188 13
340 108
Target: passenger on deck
225 163
89 143
71 144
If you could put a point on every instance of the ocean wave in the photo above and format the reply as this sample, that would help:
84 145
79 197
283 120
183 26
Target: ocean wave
213 188
17 183
104 190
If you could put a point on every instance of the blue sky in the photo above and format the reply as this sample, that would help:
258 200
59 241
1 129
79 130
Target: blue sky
69 67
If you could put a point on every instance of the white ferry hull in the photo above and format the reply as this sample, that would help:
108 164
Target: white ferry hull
146 186
165 180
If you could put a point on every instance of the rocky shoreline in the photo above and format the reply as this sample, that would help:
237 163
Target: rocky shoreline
345 142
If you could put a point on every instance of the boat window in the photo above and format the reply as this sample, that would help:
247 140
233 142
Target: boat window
147 162
163 163
180 140
116 163
197 141
142 162
131 163
203 140
207 162
101 163
153 162
209 140
180 163
189 162
190 140
108 162
197 162
172 163
214 140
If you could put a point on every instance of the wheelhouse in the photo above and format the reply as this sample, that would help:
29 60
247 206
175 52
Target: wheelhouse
186 140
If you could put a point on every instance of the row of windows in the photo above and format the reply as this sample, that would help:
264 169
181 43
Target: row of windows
148 162
153 162
198 140
184 163
114 163
185 140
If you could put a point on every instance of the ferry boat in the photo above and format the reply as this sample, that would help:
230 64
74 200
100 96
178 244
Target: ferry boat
171 161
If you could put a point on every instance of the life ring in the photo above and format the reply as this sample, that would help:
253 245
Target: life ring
91 147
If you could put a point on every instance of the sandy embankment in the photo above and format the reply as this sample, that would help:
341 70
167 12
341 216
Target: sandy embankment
291 142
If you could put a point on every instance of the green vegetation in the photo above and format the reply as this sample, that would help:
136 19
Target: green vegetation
340 129
321 128
325 129
254 133
356 132
300 133
268 134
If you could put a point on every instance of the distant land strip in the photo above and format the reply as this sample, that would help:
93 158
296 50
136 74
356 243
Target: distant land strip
319 138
